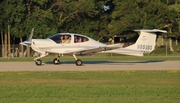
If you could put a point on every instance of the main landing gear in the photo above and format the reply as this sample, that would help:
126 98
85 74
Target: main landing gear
78 61
56 61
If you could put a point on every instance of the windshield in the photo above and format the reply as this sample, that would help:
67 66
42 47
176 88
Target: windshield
61 38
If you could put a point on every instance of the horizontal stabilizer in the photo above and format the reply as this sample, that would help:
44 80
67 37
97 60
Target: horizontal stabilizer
151 31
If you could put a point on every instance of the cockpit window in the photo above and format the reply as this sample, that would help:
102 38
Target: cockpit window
55 38
79 39
61 39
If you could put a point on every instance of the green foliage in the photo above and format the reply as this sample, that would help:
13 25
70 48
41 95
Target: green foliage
40 2
12 14
175 10
137 15
86 17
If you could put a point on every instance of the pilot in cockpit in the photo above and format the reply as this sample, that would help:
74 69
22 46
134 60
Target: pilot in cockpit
66 40
61 39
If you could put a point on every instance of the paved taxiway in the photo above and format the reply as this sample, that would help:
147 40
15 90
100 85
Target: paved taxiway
91 66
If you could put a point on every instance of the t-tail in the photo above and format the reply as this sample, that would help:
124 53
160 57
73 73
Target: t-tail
28 42
145 43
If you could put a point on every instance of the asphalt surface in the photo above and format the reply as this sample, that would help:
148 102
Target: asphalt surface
91 66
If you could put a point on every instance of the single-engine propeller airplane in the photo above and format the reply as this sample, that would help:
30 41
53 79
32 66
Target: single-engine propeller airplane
77 44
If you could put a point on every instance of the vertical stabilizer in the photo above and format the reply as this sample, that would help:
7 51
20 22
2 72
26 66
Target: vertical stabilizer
145 43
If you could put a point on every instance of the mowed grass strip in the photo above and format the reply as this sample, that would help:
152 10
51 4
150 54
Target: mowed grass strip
90 87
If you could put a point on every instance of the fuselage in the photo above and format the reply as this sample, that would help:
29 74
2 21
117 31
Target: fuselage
62 43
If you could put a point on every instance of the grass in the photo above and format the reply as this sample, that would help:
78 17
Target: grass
90 87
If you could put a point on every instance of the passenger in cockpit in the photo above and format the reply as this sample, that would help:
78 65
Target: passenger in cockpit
79 39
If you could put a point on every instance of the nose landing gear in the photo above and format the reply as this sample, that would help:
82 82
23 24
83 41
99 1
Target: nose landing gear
38 62
56 61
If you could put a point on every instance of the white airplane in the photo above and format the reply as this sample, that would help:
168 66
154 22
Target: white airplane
76 44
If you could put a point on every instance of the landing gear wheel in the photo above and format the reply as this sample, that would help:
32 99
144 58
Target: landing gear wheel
38 62
56 61
78 62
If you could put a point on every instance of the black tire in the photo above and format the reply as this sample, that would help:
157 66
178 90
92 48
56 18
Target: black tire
56 61
38 62
78 62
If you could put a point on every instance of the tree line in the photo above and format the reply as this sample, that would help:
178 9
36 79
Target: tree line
94 18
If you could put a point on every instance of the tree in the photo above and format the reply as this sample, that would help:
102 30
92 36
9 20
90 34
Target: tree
175 9
77 16
40 17
97 19
11 14
172 23
137 14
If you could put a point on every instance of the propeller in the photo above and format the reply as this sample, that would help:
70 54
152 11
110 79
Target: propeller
28 42
31 35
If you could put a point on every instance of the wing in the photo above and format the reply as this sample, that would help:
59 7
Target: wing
99 49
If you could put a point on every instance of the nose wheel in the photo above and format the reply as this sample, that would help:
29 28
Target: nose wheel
38 62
